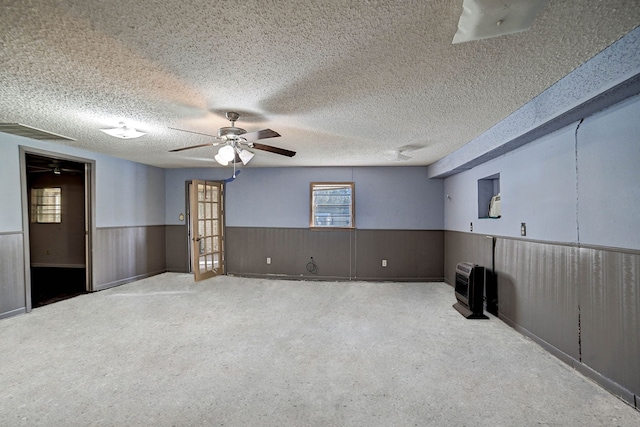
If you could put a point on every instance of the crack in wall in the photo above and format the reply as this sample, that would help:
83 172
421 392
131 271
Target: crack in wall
577 183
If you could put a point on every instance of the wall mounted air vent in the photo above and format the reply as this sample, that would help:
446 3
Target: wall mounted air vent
31 132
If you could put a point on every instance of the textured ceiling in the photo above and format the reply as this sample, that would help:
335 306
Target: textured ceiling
342 81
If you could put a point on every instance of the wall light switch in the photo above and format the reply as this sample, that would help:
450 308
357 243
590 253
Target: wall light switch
268 260
384 262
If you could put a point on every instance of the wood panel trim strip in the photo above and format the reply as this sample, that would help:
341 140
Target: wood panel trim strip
555 243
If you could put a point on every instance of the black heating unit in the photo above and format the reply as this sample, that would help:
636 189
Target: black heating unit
469 289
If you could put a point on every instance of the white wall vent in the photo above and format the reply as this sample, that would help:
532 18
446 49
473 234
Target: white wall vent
31 132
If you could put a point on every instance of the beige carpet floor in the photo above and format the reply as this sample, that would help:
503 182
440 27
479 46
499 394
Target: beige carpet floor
229 351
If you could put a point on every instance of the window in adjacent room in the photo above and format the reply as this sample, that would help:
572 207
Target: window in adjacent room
332 205
46 205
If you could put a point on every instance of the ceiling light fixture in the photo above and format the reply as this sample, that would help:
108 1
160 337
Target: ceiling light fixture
123 132
227 154
245 156
220 160
397 155
483 19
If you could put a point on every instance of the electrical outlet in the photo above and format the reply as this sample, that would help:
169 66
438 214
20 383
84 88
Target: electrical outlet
268 260
523 228
470 226
384 262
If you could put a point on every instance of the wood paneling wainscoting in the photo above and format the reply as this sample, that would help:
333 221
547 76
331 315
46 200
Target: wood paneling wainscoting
411 255
474 248
538 291
580 303
12 280
609 304
177 249
125 254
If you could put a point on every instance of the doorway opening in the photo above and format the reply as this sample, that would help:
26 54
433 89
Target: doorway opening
57 214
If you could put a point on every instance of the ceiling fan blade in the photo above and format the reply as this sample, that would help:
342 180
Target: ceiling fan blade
271 149
261 134
208 144
42 168
197 133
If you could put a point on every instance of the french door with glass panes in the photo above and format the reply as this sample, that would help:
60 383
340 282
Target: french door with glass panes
207 225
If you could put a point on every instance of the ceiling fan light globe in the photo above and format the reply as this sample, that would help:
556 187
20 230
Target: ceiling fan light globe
245 156
227 153
220 160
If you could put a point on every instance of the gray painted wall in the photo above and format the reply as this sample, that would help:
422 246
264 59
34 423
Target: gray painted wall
538 187
11 212
609 177
399 198
592 200
127 193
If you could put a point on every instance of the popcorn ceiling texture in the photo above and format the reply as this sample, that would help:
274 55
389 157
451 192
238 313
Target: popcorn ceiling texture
343 82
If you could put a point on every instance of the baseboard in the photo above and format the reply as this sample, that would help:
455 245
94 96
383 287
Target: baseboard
45 265
176 270
115 283
290 277
12 313
609 385
337 278
400 279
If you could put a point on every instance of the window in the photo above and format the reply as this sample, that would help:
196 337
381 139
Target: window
332 205
46 205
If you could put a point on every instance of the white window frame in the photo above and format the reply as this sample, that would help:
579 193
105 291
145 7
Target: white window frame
330 223
46 205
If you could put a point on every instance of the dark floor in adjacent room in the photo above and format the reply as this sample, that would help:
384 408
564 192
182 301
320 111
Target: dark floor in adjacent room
53 284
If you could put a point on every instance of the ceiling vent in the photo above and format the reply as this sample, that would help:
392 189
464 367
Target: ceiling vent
31 132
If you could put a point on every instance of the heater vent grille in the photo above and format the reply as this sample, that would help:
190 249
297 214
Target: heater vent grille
31 132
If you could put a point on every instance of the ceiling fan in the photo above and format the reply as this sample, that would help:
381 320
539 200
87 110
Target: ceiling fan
233 139
55 167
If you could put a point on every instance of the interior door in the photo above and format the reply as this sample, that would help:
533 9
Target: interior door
207 220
